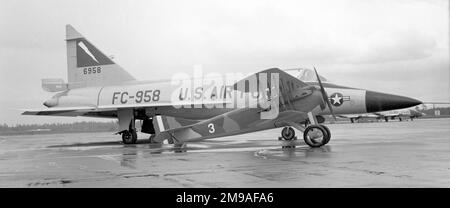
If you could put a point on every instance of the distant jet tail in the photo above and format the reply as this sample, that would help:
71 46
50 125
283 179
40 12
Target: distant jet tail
88 66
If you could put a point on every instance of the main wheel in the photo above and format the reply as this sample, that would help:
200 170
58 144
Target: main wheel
151 138
328 134
288 133
129 137
315 136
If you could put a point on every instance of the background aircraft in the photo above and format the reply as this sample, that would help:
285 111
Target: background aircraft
98 87
402 114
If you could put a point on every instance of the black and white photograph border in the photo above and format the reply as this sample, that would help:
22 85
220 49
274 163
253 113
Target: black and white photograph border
224 94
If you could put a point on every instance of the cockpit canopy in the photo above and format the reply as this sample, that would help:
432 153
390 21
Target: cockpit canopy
305 75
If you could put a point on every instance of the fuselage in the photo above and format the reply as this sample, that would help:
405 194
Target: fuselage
209 99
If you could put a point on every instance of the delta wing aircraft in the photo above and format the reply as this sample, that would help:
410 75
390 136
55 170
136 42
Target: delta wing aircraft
98 87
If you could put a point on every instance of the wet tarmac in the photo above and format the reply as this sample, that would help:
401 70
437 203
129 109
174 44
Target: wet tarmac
393 154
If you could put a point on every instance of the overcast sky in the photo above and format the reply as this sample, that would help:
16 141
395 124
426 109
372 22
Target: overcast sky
399 47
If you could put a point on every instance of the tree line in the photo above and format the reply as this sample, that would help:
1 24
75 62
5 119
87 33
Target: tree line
58 128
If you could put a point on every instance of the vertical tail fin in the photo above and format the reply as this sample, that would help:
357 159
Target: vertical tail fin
88 66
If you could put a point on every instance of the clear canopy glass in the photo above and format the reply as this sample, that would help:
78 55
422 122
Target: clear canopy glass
305 74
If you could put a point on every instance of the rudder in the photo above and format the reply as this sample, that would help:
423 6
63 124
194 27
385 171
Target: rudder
88 66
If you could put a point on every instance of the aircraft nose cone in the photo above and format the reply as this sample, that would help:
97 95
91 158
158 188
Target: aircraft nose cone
376 101
50 103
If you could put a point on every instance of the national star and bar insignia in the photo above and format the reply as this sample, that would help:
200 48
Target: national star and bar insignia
337 99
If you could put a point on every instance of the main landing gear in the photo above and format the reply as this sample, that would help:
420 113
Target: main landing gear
129 136
313 135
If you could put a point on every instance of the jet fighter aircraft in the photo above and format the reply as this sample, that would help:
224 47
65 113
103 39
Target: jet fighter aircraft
98 87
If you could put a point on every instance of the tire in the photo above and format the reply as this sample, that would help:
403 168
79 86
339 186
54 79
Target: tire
151 138
311 141
328 134
129 137
288 133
